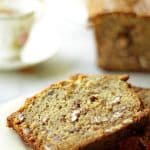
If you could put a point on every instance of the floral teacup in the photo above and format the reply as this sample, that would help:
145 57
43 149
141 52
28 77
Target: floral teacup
16 21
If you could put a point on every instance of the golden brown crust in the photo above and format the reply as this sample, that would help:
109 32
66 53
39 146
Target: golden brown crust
29 140
123 77
129 7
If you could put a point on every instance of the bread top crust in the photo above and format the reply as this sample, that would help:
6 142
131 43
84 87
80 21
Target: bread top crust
135 7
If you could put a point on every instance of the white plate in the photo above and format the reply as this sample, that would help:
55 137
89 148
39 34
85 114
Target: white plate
10 140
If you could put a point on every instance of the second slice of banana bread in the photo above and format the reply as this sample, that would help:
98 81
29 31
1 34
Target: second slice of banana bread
142 140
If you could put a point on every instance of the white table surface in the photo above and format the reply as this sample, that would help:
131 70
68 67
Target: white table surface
77 53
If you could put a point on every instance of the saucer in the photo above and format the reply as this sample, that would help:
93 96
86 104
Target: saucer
23 63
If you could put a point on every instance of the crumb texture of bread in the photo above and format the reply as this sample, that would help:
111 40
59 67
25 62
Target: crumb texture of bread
122 31
84 112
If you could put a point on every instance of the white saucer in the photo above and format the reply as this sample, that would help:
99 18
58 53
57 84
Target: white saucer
8 137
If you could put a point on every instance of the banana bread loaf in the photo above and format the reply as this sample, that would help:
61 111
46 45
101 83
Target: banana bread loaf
122 29
142 140
83 113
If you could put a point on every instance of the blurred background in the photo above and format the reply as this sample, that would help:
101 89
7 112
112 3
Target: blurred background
55 43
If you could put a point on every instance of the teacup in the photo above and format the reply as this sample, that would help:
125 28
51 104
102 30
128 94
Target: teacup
16 21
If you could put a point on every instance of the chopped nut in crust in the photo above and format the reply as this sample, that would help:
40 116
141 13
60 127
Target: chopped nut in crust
75 115
116 100
44 119
116 116
99 119
26 131
20 117
120 110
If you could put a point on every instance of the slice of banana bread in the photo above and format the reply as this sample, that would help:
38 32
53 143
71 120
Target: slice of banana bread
122 29
142 140
82 113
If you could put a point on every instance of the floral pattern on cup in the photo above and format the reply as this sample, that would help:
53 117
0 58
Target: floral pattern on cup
22 31
20 41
